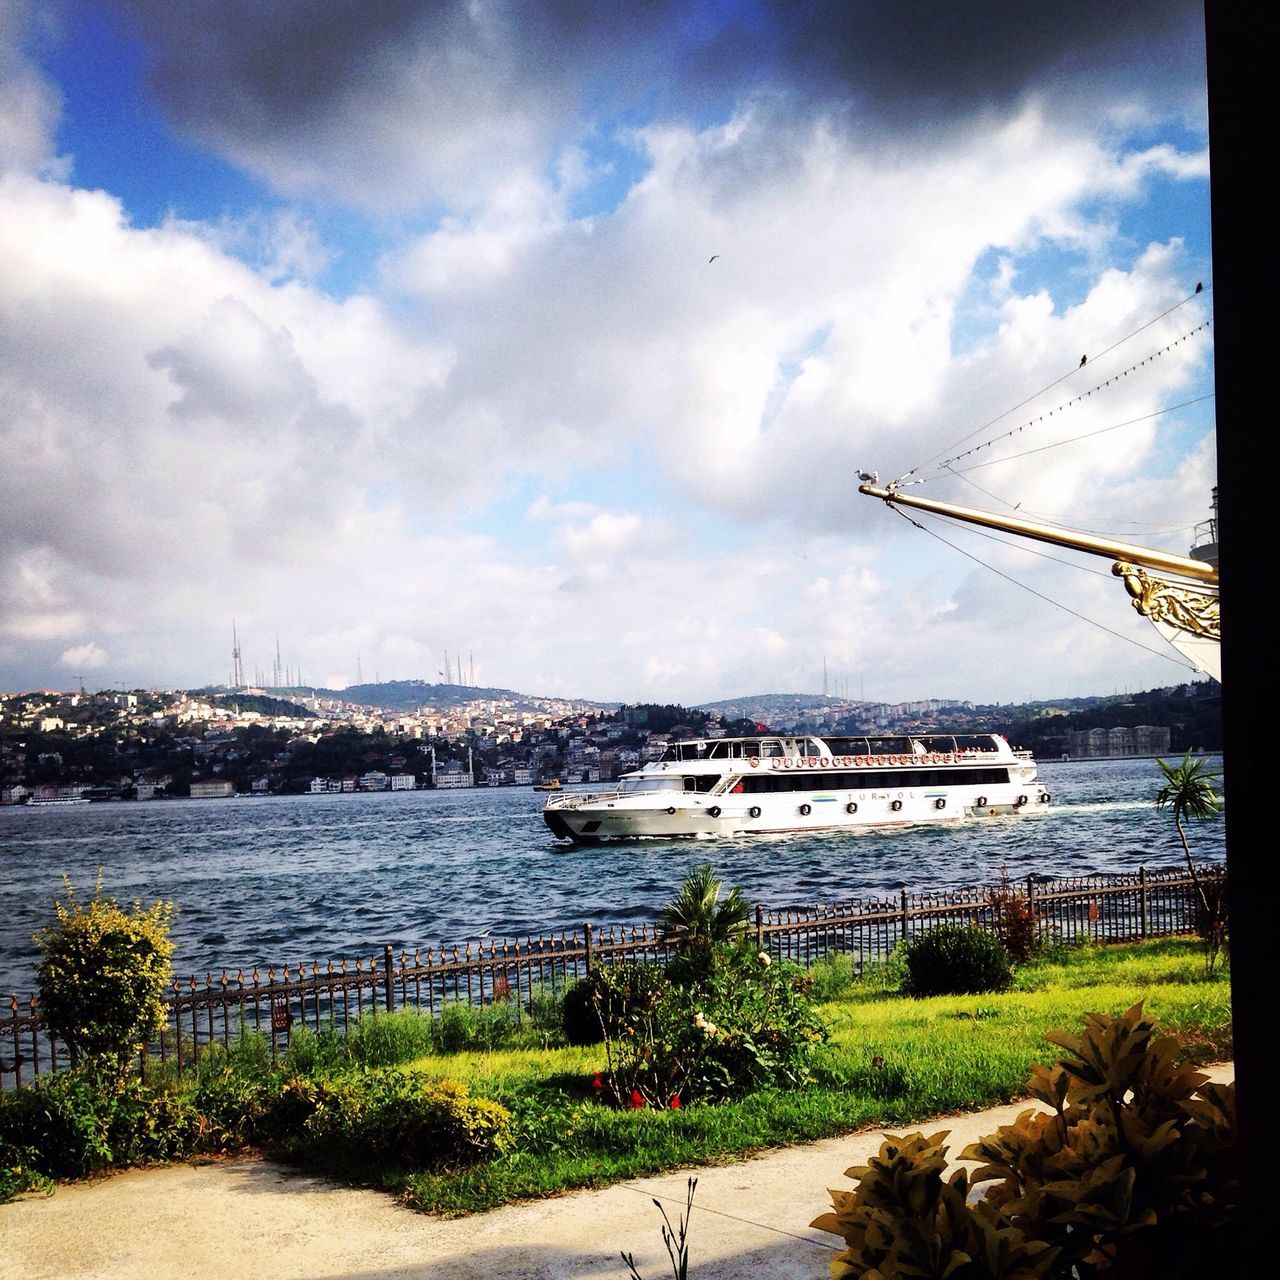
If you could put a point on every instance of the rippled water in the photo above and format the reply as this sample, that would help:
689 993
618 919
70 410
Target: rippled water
271 881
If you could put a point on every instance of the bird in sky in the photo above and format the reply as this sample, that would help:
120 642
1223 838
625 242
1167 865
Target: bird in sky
1083 361
713 257
1199 286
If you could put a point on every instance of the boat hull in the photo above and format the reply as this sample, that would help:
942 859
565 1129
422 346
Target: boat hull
612 816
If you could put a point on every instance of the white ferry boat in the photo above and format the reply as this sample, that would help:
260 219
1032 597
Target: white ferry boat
774 783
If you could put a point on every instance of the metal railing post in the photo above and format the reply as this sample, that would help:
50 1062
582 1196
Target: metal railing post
1142 890
388 982
586 934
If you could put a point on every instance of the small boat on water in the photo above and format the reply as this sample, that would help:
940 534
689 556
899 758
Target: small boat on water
41 802
778 783
552 784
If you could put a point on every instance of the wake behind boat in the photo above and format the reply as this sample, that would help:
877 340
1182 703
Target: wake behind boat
775 783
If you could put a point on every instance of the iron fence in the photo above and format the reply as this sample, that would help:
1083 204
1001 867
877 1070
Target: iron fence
1105 908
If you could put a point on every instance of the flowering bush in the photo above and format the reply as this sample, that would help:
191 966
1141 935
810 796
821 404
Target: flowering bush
102 975
747 1026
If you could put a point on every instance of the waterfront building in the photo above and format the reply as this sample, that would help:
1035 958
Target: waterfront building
403 782
454 775
212 789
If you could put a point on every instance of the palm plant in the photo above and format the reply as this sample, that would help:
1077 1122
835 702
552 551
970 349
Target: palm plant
1190 793
698 920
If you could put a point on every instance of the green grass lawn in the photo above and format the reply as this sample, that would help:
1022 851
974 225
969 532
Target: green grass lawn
889 1061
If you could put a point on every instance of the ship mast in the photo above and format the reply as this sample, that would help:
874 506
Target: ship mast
1185 613
1164 562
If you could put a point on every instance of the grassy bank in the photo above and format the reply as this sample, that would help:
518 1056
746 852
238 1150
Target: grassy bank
406 1101
889 1061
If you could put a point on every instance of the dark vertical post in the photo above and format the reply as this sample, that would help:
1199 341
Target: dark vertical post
1238 75
1031 902
759 927
906 919
1142 892
586 934
388 982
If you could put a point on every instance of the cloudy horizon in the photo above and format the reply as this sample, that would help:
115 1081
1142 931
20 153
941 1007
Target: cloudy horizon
556 335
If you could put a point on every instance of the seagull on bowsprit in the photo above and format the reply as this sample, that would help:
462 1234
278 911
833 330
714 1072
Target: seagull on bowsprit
868 477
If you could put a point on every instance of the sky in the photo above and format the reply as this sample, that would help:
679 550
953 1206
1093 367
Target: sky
552 337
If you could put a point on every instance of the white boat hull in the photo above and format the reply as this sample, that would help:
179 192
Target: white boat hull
801 793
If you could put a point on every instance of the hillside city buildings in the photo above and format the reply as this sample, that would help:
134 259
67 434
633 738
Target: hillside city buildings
145 744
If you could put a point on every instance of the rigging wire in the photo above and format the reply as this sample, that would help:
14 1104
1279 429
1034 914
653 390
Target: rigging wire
910 519
1059 380
1057 444
1084 395
1051 517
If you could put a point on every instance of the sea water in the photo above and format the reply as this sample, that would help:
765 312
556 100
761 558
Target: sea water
270 881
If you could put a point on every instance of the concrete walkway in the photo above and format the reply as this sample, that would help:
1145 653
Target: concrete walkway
248 1219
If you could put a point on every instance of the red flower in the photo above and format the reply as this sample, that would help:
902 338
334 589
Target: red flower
596 1082
675 1102
637 1100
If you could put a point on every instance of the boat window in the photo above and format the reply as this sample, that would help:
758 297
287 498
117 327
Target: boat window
975 742
631 785
701 782
771 747
863 780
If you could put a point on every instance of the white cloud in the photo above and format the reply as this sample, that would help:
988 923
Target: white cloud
194 430
90 656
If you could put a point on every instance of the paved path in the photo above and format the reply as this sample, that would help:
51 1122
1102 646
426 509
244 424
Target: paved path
248 1219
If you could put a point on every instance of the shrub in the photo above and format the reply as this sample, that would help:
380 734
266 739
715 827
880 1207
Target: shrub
954 959
230 1103
102 975
460 1025
1131 1173
831 977
384 1039
367 1118
609 999
750 1025
84 1120
1017 924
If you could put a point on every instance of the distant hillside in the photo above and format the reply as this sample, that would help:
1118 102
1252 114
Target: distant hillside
412 695
761 706
263 704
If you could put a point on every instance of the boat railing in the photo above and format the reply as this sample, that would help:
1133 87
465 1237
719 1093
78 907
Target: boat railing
572 799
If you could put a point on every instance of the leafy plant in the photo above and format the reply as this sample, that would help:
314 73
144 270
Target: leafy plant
86 1119
953 959
1190 793
1130 1173
102 975
675 1238
609 999
1017 924
368 1117
461 1025
747 1026
698 921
